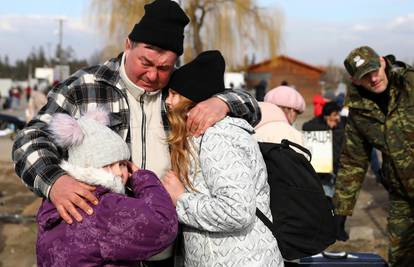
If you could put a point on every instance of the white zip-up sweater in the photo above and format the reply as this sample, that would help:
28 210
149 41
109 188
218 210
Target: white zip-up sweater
149 148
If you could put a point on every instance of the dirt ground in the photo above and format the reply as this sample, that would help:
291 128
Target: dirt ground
18 206
16 239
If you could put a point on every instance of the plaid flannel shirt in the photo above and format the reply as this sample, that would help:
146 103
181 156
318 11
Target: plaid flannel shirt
36 156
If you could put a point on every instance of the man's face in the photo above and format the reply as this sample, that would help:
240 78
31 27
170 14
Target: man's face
374 81
148 68
333 119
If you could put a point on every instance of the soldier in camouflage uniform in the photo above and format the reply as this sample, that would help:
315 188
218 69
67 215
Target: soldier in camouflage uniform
381 105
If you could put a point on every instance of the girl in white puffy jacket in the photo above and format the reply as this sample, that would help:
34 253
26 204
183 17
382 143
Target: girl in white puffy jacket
217 179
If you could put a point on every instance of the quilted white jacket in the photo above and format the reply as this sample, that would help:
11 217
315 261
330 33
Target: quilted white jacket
221 228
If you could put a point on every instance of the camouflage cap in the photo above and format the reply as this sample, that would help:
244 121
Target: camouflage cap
361 61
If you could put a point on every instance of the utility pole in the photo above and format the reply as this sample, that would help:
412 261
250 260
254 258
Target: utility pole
49 55
60 49
29 74
60 45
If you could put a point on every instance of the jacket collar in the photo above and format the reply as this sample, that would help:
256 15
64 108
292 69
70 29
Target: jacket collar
240 123
48 216
109 71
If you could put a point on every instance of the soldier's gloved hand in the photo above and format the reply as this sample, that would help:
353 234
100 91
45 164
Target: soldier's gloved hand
341 234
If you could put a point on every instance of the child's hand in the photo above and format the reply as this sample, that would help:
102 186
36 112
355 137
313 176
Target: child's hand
131 168
173 185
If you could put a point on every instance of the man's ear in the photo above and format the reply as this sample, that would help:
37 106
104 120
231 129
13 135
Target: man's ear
355 81
382 61
127 44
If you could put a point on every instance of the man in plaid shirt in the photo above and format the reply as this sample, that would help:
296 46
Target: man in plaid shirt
132 87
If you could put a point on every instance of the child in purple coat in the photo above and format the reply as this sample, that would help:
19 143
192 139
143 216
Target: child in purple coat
123 230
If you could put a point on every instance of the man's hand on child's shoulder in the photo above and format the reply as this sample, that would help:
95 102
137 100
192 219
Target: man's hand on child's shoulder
67 194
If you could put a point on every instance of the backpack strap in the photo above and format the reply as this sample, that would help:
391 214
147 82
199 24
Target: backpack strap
288 143
265 220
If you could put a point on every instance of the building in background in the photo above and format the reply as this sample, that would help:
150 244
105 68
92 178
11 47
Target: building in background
304 77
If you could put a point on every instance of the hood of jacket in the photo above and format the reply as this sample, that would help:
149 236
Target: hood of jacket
270 113
236 122
95 176
48 215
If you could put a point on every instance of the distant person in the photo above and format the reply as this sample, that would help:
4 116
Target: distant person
329 120
288 99
14 95
36 102
261 90
28 92
318 102
19 95
7 103
340 100
329 95
274 126
124 229
218 179
380 102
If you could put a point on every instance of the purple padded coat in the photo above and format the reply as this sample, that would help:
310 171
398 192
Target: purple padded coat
122 230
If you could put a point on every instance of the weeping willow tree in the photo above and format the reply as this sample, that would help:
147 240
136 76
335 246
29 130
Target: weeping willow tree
238 28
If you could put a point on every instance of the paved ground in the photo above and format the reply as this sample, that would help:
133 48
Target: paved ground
17 240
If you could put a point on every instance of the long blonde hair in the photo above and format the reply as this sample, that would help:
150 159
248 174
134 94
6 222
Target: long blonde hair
180 145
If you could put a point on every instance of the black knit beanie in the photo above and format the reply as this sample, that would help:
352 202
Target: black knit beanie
201 78
162 25
330 107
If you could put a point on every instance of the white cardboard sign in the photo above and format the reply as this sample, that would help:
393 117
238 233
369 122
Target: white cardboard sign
319 144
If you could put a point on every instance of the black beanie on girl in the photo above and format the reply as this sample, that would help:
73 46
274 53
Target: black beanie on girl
201 78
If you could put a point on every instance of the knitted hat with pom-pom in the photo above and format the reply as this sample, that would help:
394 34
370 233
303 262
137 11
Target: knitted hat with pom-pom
89 141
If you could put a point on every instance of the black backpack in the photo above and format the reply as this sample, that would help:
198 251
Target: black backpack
303 217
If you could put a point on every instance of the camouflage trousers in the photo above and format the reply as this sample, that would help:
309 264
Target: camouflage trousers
400 232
